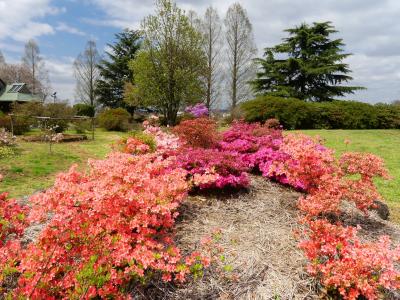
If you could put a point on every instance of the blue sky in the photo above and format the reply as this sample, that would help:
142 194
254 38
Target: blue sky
369 28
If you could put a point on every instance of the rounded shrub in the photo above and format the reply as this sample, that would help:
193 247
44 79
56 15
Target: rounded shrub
82 109
114 119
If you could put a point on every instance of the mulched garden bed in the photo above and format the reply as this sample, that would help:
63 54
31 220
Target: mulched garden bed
65 138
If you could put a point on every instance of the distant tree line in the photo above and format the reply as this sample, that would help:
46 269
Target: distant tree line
31 70
171 68
177 58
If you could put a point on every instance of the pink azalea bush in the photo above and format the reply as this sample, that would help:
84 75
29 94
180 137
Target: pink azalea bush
199 110
257 145
212 168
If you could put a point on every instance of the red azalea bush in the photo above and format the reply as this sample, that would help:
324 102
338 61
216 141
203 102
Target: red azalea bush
107 228
198 133
345 264
12 224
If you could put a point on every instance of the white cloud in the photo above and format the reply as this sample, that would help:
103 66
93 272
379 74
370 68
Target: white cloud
61 74
69 29
17 18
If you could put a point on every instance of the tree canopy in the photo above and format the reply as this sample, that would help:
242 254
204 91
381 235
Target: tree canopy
307 65
169 67
114 71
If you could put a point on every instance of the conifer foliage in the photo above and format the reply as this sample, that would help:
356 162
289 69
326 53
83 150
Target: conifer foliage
307 65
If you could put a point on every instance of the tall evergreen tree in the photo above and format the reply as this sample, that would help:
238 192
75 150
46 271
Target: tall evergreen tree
308 65
114 70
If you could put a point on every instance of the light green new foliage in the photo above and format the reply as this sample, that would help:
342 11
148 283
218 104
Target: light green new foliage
6 151
169 67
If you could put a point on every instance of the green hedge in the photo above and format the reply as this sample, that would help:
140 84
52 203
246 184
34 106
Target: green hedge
114 119
298 114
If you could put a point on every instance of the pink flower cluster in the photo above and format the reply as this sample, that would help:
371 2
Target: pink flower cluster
257 145
166 143
198 110
338 258
6 138
136 146
220 168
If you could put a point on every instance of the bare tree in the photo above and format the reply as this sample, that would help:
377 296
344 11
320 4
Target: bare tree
2 59
11 73
87 73
38 81
211 29
241 51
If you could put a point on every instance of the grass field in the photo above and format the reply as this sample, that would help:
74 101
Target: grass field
34 168
384 143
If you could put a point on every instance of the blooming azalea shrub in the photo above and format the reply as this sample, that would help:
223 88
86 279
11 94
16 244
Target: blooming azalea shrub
12 224
108 228
306 164
273 123
345 264
166 143
198 133
199 110
136 143
212 168
258 145
337 257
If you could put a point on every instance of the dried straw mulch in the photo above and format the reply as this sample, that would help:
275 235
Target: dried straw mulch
257 237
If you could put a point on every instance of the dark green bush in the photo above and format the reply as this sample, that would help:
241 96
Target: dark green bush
297 114
114 119
59 110
20 124
82 109
26 113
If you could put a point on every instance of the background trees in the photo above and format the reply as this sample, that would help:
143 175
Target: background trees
31 70
33 64
169 67
114 71
2 59
87 73
211 29
240 52
312 67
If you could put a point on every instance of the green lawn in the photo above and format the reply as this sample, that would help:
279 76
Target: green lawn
385 143
34 168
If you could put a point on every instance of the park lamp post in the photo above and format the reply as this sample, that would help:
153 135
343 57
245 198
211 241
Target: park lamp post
54 96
